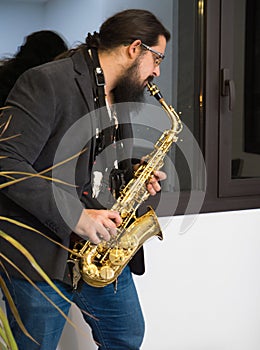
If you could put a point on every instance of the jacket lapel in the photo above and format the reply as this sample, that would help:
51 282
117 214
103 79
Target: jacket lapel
83 79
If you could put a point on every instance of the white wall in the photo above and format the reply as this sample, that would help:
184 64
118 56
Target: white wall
201 290
17 20
76 18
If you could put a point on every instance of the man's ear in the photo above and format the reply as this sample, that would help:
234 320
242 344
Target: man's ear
134 48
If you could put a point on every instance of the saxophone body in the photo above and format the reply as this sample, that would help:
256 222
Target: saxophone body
101 264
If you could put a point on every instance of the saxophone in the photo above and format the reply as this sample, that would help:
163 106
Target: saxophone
101 264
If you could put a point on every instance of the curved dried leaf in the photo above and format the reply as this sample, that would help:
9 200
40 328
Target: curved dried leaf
20 224
32 261
40 174
28 176
46 297
6 333
14 309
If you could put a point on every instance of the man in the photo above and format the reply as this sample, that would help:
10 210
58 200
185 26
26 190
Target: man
59 109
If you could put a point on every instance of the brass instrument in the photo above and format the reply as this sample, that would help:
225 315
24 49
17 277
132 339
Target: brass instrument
101 264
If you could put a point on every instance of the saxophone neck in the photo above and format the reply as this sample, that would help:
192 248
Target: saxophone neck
176 124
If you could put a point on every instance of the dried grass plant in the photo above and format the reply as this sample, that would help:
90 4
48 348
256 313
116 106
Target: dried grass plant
7 341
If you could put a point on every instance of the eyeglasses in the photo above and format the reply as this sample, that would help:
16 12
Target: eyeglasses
159 56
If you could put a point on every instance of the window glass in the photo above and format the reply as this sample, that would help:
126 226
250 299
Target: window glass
246 114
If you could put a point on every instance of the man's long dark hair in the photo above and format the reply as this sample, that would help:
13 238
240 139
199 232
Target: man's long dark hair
122 29
127 26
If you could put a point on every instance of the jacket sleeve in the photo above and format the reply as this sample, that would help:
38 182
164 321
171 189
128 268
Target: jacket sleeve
32 119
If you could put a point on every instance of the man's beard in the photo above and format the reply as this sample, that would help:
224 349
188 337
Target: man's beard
129 88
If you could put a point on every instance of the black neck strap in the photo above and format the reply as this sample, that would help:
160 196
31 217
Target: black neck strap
97 76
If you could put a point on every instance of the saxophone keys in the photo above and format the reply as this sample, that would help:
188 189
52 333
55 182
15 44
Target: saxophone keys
129 241
106 273
124 213
117 256
90 270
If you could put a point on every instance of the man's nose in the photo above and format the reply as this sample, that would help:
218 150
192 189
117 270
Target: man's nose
156 71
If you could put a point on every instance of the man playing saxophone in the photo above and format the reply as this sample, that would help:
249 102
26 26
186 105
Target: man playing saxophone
48 104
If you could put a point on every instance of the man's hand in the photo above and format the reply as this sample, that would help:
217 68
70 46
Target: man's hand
97 225
153 185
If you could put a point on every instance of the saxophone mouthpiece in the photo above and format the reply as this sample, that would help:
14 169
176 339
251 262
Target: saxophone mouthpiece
154 91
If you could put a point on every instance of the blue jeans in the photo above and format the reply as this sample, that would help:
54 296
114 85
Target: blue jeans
119 323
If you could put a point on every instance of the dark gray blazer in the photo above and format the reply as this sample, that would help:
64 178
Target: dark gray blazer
46 102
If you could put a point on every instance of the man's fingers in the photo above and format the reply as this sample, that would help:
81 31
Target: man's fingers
98 225
115 217
160 175
151 190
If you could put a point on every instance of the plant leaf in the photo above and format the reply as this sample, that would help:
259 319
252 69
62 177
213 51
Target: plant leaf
32 261
29 175
18 223
44 276
6 333
14 309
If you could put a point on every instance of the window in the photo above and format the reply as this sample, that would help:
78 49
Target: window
233 172
218 94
